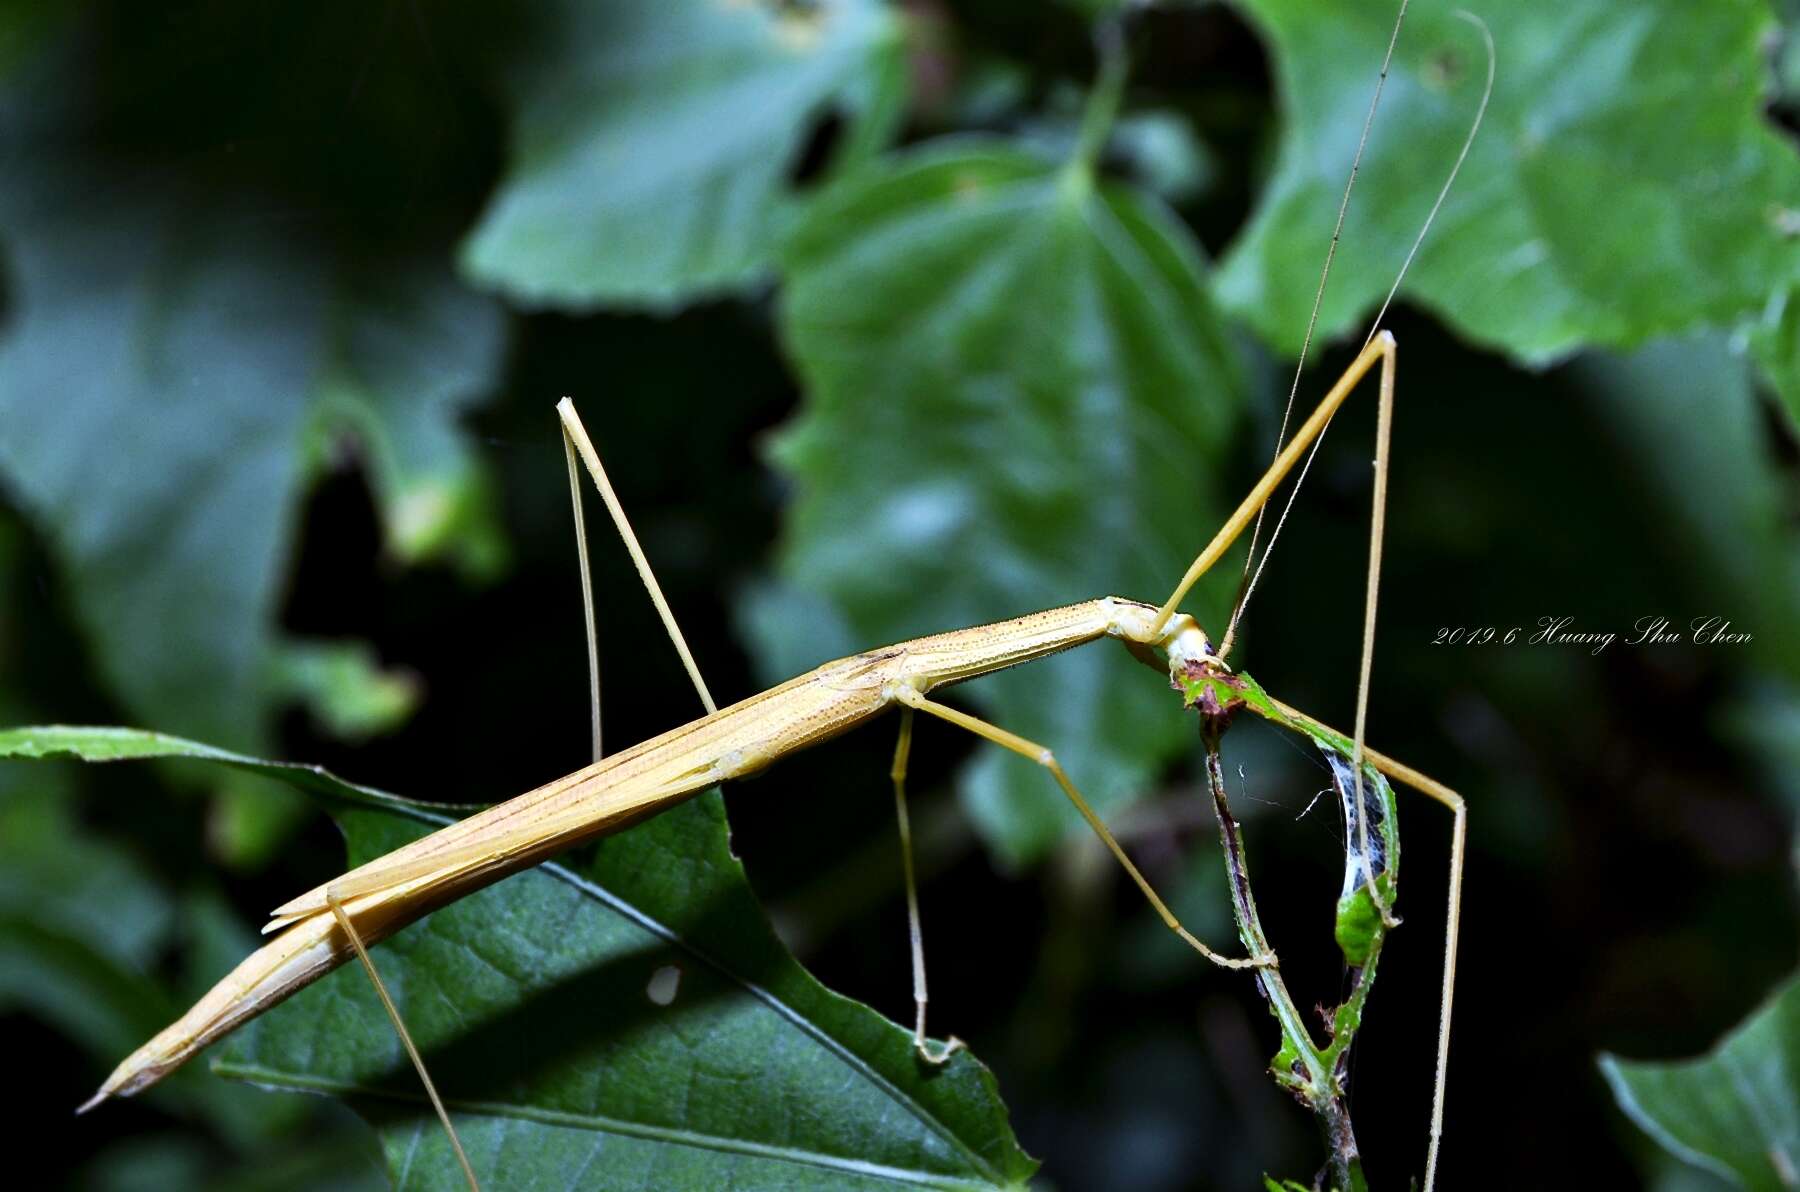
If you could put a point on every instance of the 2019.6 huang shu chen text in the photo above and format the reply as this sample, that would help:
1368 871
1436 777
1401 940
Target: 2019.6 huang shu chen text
1650 630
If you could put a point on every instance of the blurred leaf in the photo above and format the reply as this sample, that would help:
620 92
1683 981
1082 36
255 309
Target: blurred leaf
187 343
1666 1173
1764 723
415 352
161 1161
80 922
1148 953
793 629
1016 393
24 26
1165 155
147 1164
1686 409
1787 52
1775 341
533 1003
1624 186
1097 9
83 926
344 687
652 143
1734 1111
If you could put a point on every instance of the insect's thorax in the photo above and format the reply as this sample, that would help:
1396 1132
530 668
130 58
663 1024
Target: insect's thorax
1180 639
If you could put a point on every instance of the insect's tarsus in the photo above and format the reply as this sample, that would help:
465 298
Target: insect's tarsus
915 932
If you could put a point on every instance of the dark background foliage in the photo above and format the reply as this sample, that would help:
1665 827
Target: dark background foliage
290 292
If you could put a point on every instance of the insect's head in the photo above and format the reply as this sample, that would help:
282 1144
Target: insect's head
1180 640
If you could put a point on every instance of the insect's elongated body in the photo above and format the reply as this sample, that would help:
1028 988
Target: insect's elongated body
328 925
332 923
386 894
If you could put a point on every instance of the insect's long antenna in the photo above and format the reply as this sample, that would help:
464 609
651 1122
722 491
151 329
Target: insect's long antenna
1487 93
1247 583
1287 507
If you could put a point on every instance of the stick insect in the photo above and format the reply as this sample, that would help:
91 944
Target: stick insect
325 927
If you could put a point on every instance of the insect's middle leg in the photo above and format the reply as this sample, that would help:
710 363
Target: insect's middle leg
911 698
902 751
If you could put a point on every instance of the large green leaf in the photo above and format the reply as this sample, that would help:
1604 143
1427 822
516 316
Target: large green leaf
1734 1111
652 143
1601 204
159 383
1017 391
182 339
627 1020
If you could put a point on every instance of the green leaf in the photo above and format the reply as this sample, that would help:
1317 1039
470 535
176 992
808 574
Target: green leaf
625 1020
1016 394
1734 1111
106 743
158 384
1625 184
652 143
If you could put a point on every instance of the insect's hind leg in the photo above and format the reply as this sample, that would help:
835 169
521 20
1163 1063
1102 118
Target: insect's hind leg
575 443
412 1050
911 698
589 619
902 751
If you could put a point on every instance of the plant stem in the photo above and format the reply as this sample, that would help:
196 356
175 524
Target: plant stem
1103 102
1313 1075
